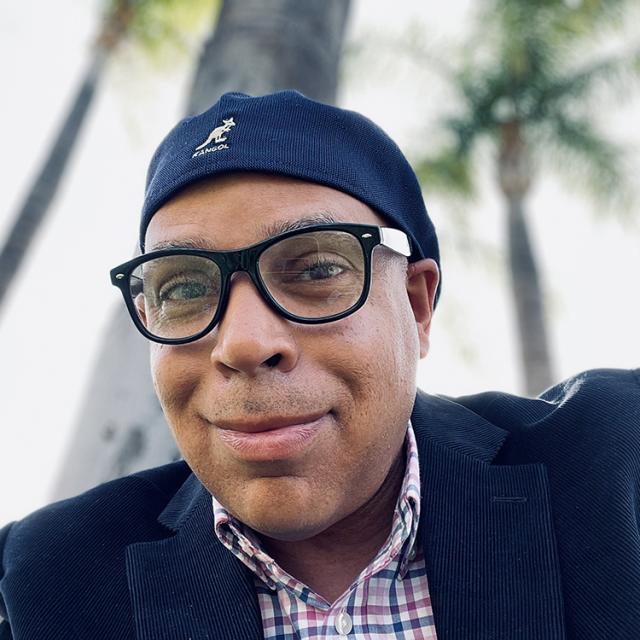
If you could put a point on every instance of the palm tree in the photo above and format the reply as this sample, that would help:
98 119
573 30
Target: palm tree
145 22
526 90
256 46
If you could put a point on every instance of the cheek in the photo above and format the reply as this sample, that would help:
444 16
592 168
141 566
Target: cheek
376 355
393 363
397 348
175 372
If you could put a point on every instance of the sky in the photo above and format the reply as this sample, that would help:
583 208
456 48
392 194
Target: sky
57 312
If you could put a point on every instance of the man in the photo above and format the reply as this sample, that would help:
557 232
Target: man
287 282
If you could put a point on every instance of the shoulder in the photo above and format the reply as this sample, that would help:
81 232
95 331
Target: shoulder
610 396
597 411
73 550
137 498
112 510
83 540
612 388
594 410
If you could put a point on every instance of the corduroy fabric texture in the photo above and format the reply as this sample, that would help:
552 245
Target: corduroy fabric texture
285 133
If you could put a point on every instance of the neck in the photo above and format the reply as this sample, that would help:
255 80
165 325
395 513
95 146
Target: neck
329 562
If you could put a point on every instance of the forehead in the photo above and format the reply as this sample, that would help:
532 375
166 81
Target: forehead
240 209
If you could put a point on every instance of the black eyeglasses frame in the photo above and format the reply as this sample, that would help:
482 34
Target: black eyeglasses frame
246 259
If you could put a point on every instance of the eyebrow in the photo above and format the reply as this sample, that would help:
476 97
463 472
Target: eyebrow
282 226
266 230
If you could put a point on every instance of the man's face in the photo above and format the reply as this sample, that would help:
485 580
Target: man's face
348 385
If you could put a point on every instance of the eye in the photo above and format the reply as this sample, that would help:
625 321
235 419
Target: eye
320 270
184 288
308 269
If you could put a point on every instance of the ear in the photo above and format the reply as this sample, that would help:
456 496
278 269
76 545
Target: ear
422 282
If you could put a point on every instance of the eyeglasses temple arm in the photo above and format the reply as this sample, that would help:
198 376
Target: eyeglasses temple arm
395 240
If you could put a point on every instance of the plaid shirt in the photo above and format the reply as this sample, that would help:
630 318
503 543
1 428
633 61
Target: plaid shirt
389 599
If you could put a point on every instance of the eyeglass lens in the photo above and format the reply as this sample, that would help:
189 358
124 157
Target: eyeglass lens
310 275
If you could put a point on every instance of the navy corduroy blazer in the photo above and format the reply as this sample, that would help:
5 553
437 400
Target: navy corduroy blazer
530 526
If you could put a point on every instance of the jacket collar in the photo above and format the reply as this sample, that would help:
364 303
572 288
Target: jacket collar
448 424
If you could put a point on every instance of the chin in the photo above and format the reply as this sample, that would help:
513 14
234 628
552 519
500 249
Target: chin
281 508
287 531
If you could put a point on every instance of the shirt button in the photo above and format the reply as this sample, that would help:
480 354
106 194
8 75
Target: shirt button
343 623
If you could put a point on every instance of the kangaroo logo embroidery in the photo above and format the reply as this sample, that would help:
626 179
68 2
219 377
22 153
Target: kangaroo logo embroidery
217 137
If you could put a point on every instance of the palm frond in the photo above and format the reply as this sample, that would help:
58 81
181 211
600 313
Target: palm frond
582 19
521 65
595 165
559 20
449 173
615 73
160 29
383 50
479 92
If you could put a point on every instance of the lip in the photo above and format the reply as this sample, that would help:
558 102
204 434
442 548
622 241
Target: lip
270 423
275 438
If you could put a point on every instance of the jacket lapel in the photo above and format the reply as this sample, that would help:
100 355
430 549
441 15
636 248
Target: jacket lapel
188 586
487 531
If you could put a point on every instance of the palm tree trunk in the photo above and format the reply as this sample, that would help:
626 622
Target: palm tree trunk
258 46
527 296
45 186
48 179
261 46
515 175
120 426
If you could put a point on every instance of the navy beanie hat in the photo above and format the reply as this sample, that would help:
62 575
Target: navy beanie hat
285 133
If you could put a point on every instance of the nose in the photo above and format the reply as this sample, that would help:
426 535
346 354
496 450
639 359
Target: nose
251 336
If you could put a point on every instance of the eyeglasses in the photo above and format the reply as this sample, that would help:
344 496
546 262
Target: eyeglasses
313 275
